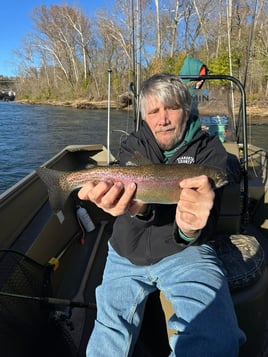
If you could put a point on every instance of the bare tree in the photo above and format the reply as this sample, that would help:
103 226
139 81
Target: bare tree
62 41
71 52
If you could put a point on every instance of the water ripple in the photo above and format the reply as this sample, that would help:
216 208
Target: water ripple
31 134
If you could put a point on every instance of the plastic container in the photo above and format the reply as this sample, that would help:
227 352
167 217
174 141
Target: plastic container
218 130
216 125
85 219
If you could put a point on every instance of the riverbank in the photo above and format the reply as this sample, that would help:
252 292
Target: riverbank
257 114
77 104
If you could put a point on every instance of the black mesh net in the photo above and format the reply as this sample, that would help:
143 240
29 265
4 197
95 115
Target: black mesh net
26 326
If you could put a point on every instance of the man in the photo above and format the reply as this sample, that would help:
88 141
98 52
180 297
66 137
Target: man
165 247
193 67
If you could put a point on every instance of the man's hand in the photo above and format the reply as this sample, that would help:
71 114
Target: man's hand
113 198
195 203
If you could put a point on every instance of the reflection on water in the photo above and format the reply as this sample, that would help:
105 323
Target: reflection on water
32 134
258 134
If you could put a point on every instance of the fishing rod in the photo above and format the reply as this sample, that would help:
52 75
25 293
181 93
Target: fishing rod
51 300
109 117
134 86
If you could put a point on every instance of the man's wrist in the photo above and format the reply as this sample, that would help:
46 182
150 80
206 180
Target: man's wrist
189 236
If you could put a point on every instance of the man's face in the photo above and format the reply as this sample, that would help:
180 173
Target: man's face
167 124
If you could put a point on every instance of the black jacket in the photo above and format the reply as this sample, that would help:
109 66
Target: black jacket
146 241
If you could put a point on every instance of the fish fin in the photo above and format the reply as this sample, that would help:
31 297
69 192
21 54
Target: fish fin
51 178
138 160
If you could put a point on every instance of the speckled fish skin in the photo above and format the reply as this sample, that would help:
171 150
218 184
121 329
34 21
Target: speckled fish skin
156 183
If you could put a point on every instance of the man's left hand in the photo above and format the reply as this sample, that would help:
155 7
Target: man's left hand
195 203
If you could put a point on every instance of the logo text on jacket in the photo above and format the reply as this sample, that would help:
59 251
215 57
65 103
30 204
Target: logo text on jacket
185 160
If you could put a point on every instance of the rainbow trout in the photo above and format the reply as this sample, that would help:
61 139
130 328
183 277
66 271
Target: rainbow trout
156 183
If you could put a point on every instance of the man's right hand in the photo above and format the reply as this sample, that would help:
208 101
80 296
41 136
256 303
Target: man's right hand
113 197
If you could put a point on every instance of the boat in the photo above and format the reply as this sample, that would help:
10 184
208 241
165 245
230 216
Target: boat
50 264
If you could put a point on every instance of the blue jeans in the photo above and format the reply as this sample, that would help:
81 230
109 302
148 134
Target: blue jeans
192 280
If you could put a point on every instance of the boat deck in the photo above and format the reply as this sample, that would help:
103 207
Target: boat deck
76 260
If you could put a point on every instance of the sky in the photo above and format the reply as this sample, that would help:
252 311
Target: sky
16 23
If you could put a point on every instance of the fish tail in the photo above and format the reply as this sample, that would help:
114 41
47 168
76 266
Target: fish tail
56 193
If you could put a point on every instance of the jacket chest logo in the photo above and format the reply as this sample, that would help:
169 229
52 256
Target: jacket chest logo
185 160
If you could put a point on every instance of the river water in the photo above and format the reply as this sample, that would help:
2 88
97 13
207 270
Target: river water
31 134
